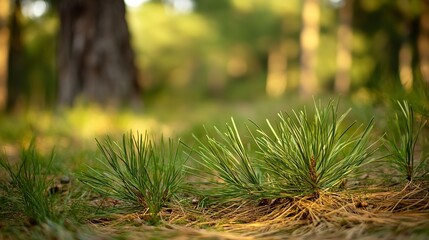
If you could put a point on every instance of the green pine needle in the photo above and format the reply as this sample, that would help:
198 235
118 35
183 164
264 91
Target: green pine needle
229 162
305 155
139 171
298 156
29 178
402 141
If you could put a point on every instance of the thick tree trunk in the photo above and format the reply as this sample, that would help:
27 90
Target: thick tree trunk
344 51
4 50
309 41
95 58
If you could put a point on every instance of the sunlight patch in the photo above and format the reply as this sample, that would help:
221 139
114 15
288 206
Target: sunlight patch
182 6
135 3
34 9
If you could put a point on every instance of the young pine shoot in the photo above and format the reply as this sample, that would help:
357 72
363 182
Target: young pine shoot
29 179
139 171
401 142
305 155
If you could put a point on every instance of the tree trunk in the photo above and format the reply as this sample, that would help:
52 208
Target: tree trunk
95 58
405 54
405 65
423 41
276 77
17 76
4 50
344 51
309 41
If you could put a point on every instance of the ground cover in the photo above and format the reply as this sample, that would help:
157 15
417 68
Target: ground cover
320 172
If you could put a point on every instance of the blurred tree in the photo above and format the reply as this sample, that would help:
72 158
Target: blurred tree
344 51
4 49
95 58
407 49
309 41
392 42
258 41
276 76
376 43
16 75
423 41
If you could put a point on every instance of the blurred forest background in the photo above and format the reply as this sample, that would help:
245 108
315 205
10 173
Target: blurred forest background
167 53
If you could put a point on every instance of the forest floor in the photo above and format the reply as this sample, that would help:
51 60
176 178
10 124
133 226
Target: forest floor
397 212
401 212
375 205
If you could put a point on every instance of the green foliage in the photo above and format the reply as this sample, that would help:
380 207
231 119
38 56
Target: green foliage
139 171
30 182
305 156
299 156
228 160
401 142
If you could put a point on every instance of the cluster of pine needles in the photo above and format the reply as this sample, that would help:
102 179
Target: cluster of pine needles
272 197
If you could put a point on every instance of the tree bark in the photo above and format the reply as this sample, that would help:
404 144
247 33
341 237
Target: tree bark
95 57
309 41
4 50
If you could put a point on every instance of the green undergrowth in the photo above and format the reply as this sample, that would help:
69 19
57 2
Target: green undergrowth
33 193
298 155
402 141
139 171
